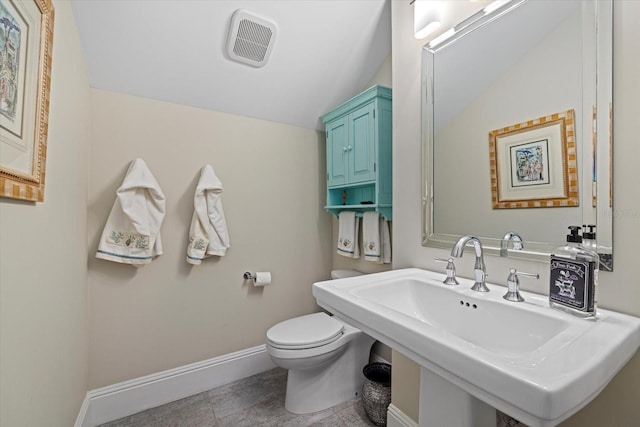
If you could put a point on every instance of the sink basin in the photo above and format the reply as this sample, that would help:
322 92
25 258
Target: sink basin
493 325
535 363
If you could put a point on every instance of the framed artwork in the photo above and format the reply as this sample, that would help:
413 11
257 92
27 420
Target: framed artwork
26 38
534 164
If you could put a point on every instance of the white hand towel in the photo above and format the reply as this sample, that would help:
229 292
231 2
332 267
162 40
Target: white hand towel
385 241
132 232
371 236
208 234
348 225
376 238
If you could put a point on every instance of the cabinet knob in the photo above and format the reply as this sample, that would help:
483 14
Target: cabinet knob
345 149
349 148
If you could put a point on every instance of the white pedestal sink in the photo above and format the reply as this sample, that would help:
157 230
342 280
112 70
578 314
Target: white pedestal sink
532 362
461 409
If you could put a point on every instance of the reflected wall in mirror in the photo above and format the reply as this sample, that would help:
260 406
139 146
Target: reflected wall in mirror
528 59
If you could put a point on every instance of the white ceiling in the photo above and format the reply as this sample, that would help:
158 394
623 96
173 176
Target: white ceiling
174 50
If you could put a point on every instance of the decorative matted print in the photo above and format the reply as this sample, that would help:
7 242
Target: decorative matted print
534 164
26 39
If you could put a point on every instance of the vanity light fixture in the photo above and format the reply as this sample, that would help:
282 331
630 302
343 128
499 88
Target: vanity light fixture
442 37
495 8
426 17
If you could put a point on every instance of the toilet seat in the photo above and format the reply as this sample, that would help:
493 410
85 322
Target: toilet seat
310 331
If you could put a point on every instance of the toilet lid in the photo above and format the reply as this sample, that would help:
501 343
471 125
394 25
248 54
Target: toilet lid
312 330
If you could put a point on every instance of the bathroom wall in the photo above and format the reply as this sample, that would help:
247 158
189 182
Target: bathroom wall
43 272
620 290
383 78
170 313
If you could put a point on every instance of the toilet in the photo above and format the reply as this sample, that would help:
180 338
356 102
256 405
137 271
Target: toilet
324 356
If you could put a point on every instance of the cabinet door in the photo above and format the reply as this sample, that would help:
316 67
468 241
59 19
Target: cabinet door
337 142
361 145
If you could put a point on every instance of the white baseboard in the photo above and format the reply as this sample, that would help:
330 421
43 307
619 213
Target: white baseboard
84 415
397 418
120 400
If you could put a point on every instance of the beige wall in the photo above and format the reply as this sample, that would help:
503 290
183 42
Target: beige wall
170 313
43 272
405 384
383 78
383 75
619 290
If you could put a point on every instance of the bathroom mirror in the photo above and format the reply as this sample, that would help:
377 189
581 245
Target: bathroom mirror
509 68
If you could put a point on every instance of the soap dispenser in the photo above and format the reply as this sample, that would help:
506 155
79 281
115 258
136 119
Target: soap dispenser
589 238
573 277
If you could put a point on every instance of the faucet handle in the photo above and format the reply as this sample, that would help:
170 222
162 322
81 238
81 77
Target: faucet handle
451 271
513 285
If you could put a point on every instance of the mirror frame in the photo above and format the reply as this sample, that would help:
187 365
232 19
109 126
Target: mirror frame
533 251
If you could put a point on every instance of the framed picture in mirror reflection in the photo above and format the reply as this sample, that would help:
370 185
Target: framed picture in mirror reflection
534 164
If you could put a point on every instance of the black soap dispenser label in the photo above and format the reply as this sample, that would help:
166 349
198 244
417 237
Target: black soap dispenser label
570 281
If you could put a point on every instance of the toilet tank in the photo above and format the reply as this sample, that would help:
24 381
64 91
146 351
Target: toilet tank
343 274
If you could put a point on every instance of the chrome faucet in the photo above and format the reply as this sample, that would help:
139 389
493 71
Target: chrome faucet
479 269
451 272
517 243
513 285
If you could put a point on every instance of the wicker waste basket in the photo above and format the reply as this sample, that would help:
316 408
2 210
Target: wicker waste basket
376 391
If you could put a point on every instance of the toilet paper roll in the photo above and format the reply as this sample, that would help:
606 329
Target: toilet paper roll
263 278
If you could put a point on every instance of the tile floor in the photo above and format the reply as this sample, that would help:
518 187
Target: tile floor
253 401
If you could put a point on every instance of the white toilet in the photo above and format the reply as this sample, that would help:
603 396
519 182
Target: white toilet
324 356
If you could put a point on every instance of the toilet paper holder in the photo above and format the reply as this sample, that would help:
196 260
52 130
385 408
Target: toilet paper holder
259 278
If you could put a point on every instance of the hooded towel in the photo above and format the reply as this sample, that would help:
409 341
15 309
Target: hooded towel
208 234
132 232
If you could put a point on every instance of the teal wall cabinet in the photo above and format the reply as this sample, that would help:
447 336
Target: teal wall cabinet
359 150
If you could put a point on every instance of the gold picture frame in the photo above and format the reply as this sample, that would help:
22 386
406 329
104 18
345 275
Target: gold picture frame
534 164
25 83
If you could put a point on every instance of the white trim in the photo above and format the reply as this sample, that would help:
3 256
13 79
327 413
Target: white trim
84 415
129 397
397 418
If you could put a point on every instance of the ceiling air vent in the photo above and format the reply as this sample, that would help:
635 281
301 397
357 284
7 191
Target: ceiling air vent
251 38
